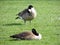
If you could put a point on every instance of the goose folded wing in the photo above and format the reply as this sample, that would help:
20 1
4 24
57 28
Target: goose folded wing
22 12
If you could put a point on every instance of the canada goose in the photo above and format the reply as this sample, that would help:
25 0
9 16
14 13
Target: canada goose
29 35
27 14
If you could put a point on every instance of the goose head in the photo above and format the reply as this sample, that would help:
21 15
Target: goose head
37 35
32 10
30 6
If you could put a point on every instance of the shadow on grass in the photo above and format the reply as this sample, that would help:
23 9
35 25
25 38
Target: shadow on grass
12 24
55 25
18 40
13 40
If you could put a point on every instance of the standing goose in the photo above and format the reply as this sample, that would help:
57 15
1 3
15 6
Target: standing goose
29 35
27 14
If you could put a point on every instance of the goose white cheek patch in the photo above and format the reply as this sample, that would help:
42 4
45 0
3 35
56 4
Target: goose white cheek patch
29 10
33 11
38 37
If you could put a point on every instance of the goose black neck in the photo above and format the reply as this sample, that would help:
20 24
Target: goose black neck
30 6
34 32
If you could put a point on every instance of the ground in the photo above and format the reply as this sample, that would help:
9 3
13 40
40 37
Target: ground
47 21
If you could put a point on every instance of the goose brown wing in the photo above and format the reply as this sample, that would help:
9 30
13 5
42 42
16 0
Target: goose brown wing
24 34
23 12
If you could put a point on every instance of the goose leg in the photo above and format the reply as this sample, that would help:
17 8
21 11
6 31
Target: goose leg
30 21
24 21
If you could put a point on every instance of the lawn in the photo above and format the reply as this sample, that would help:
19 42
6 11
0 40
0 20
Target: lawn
47 22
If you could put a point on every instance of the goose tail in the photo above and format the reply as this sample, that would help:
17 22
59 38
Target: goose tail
17 17
13 36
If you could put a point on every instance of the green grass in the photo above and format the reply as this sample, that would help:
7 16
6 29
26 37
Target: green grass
47 22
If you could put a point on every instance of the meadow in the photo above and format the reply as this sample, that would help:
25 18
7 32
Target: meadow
47 21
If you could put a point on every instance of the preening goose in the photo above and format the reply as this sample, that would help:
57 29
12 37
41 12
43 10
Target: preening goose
28 35
27 14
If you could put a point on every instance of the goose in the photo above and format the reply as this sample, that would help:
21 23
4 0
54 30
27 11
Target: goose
27 14
28 35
